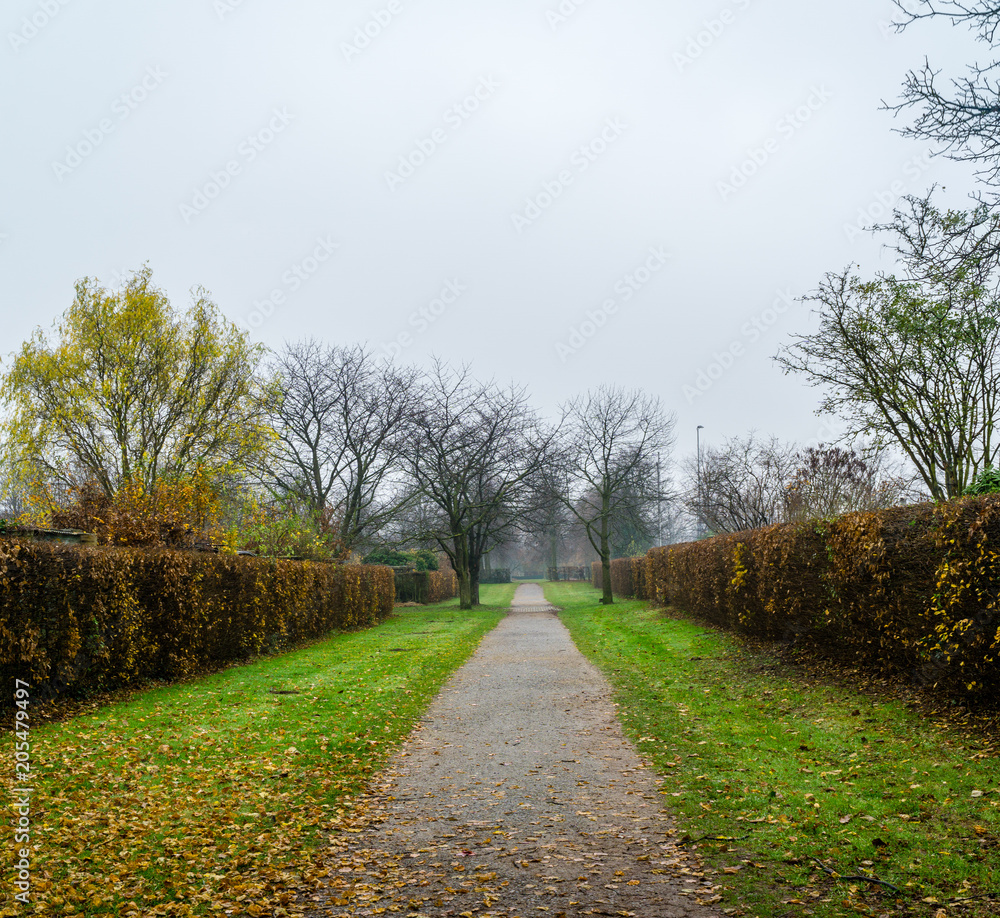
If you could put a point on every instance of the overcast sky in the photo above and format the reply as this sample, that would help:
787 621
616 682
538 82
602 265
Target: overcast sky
563 194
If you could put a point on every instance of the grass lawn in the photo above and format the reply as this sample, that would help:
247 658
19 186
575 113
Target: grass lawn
782 781
210 795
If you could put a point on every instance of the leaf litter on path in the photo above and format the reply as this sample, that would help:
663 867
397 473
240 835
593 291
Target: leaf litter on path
517 795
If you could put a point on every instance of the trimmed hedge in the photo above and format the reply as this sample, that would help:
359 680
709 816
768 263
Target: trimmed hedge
628 577
425 587
565 573
442 585
913 590
81 619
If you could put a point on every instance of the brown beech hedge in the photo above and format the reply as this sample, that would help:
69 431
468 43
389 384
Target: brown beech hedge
913 590
628 577
441 585
77 619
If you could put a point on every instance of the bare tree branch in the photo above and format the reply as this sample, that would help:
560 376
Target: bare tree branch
609 448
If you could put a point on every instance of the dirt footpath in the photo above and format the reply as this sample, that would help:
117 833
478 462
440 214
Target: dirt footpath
517 795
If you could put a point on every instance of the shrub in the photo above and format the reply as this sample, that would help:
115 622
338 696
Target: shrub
285 529
171 513
79 619
421 559
986 482
442 585
628 578
913 590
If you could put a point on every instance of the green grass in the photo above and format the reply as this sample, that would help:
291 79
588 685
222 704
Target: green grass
768 769
212 794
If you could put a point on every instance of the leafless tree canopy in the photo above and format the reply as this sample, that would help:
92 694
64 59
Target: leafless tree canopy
742 484
609 450
751 482
963 116
830 481
470 450
339 415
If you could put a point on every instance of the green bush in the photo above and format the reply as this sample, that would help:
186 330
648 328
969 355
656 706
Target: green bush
421 559
986 482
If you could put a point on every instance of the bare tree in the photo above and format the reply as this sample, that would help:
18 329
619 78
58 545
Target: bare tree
609 449
545 522
831 480
742 484
961 118
953 251
339 415
471 448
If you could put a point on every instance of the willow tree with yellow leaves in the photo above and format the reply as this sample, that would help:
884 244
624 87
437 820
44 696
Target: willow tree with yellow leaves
129 391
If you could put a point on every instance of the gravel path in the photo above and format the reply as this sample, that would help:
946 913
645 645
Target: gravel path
517 795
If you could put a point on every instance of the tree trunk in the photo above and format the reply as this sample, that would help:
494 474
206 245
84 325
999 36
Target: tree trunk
474 584
461 565
464 589
476 559
607 598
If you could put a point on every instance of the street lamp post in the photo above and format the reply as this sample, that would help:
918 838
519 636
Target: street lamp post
659 505
701 503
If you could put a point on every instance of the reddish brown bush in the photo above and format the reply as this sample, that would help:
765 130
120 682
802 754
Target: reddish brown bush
628 578
172 514
909 589
80 619
441 585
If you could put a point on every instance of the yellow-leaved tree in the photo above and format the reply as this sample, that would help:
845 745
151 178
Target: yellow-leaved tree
129 392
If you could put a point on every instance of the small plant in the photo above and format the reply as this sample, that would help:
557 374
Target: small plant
283 529
986 482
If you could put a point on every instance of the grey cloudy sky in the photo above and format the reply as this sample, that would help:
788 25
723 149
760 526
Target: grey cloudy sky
483 181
